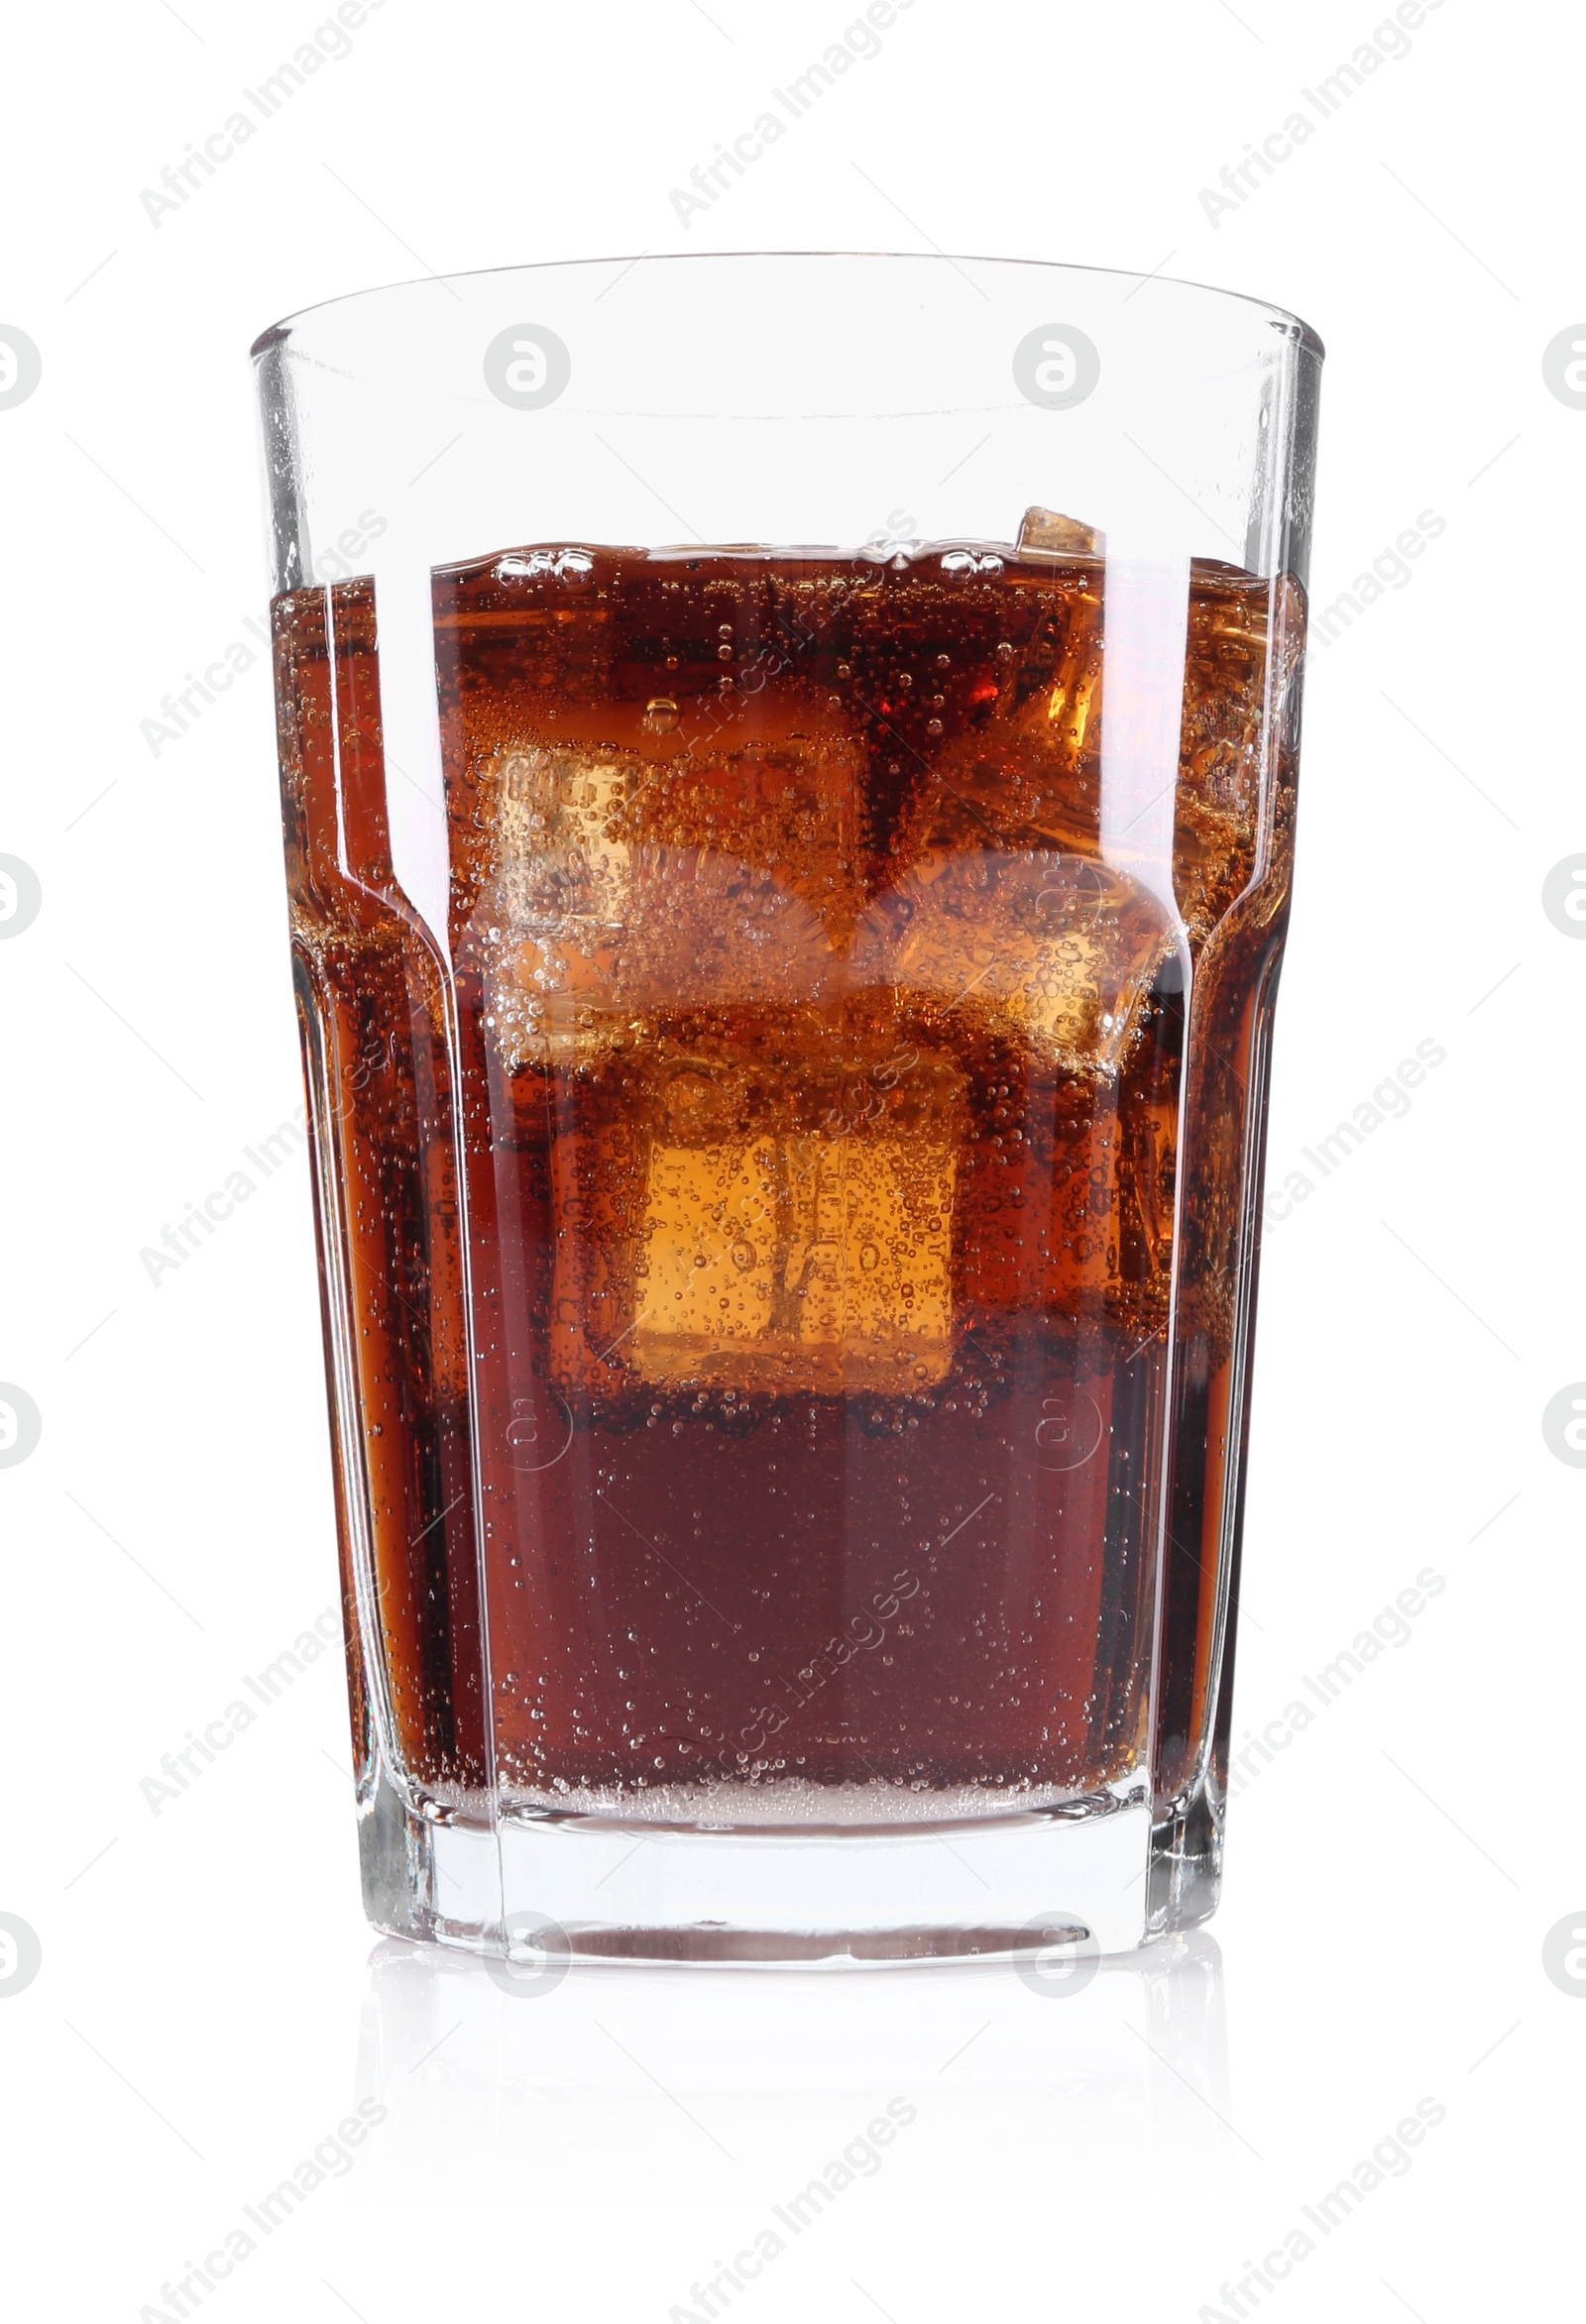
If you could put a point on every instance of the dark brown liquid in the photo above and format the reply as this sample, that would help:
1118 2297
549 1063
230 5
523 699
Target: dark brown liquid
811 1089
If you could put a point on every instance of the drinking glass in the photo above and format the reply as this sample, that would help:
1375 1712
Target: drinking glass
788 774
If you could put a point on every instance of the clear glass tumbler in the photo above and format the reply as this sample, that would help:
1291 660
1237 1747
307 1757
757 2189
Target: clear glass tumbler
788 770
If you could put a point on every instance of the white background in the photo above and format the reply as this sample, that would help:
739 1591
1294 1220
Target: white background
207 2010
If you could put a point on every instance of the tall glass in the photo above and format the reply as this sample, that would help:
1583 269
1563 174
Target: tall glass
788 770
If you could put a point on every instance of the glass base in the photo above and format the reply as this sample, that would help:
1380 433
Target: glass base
1108 1877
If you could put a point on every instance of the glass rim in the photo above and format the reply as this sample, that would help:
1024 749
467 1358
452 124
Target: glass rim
1304 335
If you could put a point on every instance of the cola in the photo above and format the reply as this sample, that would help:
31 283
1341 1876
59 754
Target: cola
788 1240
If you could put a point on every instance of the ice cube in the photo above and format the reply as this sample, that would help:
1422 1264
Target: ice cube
583 923
868 1266
704 930
743 1233
571 958
806 1263
1056 948
708 1279
1029 771
1044 533
778 786
547 919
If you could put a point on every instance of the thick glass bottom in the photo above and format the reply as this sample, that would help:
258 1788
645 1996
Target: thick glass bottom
1102 1874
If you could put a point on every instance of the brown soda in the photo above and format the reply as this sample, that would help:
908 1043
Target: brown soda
750 1242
